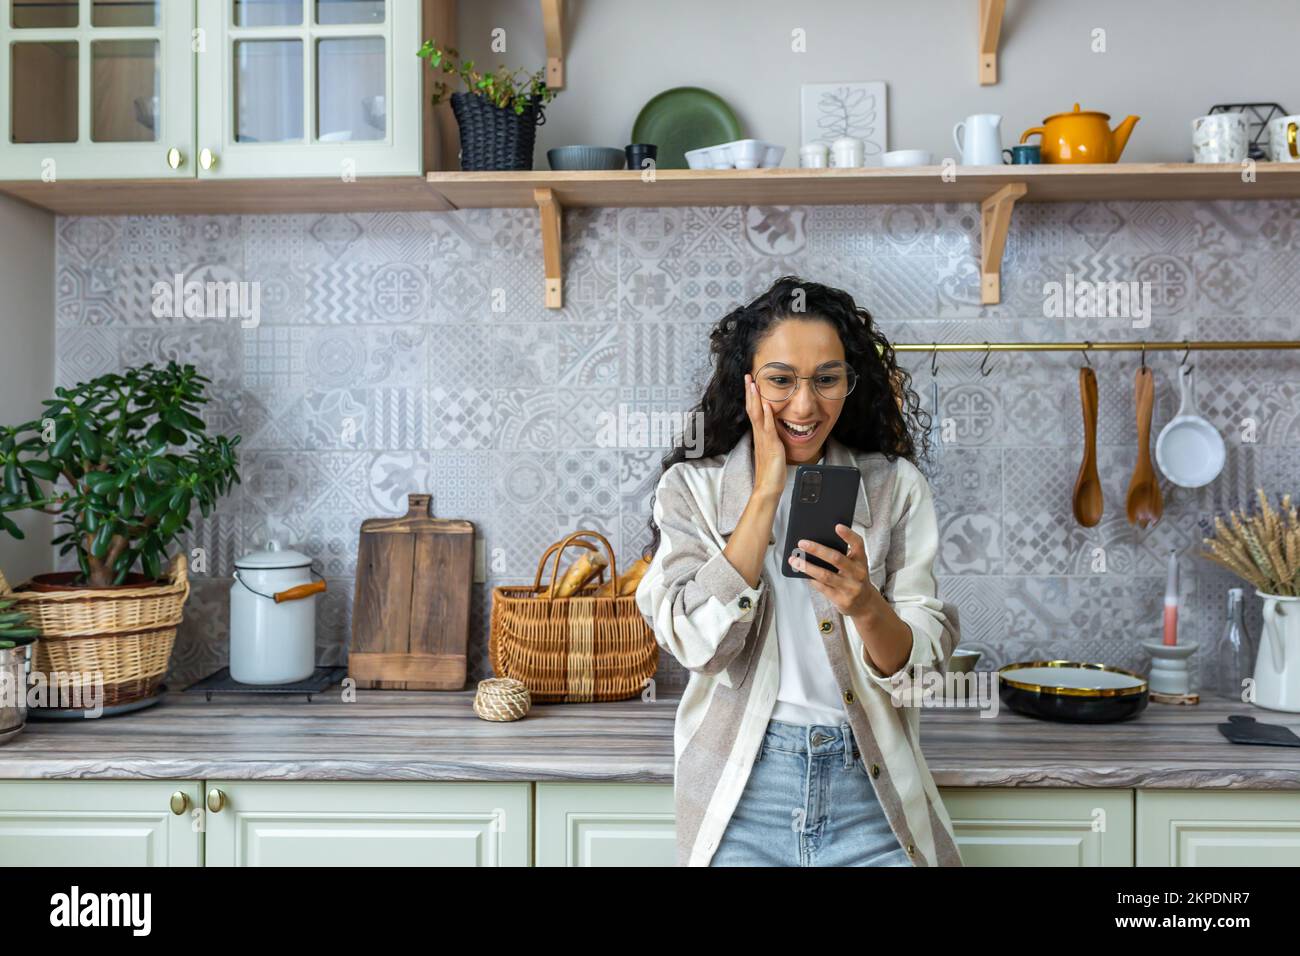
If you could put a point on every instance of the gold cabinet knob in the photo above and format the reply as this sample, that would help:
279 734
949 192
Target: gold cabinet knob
180 802
216 800
175 158
207 158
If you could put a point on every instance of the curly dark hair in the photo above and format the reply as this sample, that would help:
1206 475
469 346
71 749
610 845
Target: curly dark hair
882 413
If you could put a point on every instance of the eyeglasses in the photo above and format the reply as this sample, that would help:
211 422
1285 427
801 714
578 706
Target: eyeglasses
833 381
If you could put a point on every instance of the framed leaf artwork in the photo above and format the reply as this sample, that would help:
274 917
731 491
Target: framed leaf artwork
832 110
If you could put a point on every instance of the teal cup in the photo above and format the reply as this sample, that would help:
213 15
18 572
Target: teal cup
1023 155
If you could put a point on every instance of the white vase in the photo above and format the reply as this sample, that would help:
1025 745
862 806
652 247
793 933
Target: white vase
1277 666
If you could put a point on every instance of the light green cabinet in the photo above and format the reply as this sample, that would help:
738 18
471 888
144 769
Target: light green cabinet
243 823
1208 828
100 823
96 89
368 824
309 88
1010 826
106 89
608 824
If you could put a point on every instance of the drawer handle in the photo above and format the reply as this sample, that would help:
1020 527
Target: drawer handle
216 800
175 158
180 802
207 158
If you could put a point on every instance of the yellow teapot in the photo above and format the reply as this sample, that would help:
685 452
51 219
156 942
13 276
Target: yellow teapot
1082 136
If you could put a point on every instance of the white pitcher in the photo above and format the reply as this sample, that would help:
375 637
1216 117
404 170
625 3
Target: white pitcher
982 143
1277 666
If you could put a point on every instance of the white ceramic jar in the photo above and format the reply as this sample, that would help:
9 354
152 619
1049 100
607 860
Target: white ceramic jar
273 617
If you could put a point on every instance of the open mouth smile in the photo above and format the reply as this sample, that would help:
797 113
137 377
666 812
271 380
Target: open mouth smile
799 431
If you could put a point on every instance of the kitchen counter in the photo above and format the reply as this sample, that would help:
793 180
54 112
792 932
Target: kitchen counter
390 735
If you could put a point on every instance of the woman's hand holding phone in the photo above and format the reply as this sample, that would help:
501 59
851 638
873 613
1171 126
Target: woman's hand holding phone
849 586
769 450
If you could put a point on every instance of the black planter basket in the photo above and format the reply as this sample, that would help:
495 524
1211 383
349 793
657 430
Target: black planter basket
494 137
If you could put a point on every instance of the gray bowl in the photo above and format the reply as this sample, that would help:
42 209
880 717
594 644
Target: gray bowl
586 157
963 661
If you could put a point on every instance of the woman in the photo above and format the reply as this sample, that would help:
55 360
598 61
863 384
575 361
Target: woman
791 745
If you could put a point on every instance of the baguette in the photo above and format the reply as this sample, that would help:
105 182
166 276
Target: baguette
628 582
580 572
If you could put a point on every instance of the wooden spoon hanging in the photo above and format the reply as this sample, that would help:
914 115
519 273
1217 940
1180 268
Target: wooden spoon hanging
1144 505
1087 487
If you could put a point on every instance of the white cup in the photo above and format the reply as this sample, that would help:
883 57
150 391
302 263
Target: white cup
1219 138
907 157
1284 139
847 152
814 156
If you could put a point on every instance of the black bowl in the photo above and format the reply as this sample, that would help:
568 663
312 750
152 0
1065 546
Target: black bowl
1081 703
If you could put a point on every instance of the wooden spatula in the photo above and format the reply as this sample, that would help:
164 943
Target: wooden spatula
1087 487
1144 505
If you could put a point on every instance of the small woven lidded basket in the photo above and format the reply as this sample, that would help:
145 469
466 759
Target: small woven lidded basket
502 698
124 632
571 649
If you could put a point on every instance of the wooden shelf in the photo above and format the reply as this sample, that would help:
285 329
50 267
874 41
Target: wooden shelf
816 187
170 197
996 188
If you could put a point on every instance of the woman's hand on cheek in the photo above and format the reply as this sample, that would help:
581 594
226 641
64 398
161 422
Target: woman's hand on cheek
769 450
849 587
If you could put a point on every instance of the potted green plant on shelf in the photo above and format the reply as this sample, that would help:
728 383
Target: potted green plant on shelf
121 462
498 114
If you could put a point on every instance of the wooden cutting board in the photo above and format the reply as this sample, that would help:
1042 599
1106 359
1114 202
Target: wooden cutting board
410 618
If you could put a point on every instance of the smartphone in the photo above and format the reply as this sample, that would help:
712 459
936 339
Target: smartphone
823 496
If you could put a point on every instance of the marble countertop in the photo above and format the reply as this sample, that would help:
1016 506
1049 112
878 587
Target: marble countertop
392 735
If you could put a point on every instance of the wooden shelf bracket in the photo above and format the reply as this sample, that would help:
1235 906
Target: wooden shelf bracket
553 23
995 218
990 32
552 215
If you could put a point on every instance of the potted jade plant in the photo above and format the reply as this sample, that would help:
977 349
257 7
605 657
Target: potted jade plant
498 114
121 462
1262 546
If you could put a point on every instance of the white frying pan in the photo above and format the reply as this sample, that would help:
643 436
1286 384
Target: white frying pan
1189 449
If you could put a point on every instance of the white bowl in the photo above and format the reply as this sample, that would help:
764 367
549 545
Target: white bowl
908 157
739 154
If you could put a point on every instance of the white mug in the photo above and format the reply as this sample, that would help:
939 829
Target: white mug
1219 138
847 152
1284 139
982 143
813 155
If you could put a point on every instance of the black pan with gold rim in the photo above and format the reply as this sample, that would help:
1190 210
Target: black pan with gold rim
1072 691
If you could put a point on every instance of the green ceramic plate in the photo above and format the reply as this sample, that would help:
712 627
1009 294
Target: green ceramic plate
683 118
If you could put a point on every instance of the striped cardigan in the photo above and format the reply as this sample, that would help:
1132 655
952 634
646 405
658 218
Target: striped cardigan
705 614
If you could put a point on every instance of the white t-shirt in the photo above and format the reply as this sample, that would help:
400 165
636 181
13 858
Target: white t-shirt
808 693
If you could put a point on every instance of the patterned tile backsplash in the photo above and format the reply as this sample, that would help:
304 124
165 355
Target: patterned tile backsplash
404 352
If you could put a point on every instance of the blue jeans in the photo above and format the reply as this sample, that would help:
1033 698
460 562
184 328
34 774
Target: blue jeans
809 801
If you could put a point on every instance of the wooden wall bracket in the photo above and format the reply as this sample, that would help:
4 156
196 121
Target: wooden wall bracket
552 223
995 218
990 32
553 24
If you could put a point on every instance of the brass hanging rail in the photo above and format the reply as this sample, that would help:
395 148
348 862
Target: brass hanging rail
1089 346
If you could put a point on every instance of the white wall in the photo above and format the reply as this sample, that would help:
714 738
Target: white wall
26 357
1167 61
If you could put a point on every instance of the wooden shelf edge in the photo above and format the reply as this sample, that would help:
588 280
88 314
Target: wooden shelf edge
145 197
794 186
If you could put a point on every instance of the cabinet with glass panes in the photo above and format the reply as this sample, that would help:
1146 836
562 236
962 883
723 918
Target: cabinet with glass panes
131 89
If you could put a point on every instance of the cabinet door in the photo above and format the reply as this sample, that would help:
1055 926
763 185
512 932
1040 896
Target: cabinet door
309 88
1226 828
99 823
605 824
96 89
369 824
1010 826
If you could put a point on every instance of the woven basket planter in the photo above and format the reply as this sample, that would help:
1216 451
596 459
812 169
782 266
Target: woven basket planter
573 649
124 633
494 137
